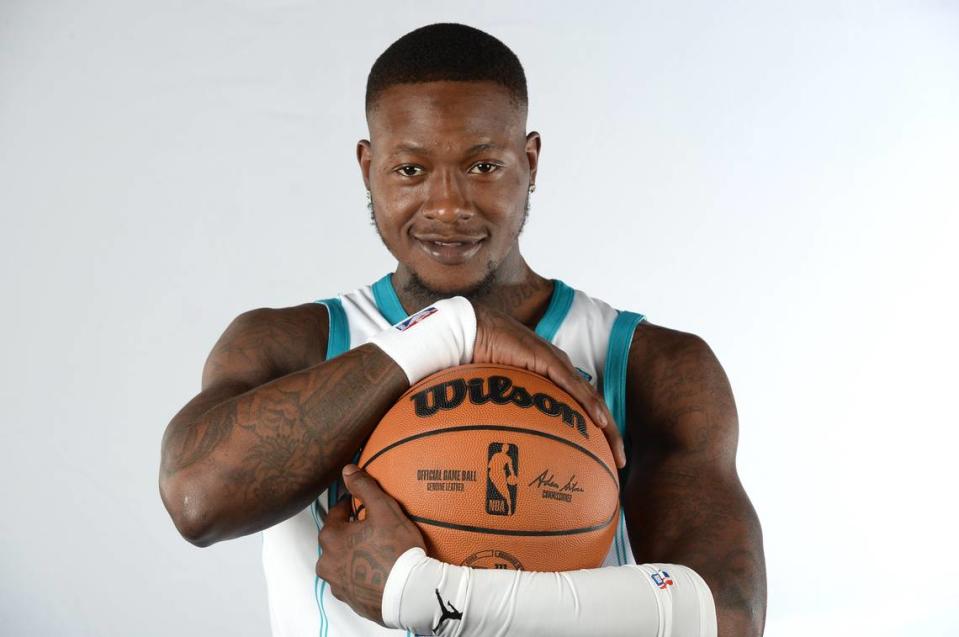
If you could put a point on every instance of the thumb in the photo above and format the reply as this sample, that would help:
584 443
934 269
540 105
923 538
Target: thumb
364 487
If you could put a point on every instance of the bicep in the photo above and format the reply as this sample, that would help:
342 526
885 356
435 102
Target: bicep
263 344
683 435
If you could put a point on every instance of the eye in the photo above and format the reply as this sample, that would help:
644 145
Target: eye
410 170
484 168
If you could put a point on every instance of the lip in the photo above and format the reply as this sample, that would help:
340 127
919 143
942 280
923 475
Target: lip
449 250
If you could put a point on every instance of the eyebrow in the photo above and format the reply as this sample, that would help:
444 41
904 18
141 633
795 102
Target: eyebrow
412 148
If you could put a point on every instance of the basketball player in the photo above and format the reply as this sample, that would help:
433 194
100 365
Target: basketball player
289 395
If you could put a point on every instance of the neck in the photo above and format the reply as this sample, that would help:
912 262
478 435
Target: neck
514 289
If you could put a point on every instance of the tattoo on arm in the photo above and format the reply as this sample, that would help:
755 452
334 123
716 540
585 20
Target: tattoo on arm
275 447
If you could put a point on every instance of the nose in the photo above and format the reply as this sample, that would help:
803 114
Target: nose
447 200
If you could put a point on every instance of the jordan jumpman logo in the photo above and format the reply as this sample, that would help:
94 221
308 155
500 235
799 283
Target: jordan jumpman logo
447 613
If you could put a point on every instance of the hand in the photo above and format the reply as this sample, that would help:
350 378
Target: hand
502 339
358 556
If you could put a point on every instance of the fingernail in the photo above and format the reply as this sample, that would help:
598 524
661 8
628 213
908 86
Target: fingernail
350 469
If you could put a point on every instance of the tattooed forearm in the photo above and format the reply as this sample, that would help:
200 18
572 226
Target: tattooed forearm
264 454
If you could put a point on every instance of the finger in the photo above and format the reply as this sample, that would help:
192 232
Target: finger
579 388
615 441
563 373
339 514
364 487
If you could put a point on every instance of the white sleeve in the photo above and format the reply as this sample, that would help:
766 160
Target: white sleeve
430 597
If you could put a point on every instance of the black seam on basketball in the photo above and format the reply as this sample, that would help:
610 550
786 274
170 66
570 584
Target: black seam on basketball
531 432
483 529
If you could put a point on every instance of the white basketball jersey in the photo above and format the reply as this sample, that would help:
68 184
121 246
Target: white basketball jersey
594 335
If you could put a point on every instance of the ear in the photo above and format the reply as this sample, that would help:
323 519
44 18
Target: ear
364 155
533 145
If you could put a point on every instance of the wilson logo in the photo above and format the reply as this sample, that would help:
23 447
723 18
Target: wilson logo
498 390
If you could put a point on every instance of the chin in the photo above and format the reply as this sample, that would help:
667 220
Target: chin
453 281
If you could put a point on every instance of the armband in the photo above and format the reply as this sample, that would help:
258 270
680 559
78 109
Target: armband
440 335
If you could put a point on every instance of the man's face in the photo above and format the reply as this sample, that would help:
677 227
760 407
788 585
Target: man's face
449 165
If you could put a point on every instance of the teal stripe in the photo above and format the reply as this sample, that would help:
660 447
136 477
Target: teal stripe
620 558
559 304
622 536
339 339
617 359
619 555
337 343
387 302
318 589
614 392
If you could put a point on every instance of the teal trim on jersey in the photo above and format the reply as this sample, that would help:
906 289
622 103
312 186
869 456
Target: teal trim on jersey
621 532
337 343
387 302
614 392
319 586
559 304
339 339
617 359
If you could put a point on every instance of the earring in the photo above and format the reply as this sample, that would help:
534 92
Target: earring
369 198
532 187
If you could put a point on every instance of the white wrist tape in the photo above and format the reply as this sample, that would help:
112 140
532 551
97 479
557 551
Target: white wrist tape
439 336
429 597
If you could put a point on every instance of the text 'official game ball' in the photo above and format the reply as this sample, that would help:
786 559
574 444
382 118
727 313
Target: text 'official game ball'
499 468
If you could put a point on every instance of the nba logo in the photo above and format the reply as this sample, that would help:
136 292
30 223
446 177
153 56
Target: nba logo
410 321
502 472
662 580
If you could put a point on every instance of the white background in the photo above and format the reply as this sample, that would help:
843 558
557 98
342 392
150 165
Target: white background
777 177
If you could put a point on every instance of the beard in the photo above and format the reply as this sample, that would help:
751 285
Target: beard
421 290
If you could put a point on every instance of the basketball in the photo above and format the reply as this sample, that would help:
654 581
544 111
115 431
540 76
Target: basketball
499 468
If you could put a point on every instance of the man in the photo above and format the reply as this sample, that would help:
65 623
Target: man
290 395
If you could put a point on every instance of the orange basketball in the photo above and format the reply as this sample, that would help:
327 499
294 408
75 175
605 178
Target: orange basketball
499 468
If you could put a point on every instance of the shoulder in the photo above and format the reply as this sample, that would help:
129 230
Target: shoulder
265 343
659 345
678 393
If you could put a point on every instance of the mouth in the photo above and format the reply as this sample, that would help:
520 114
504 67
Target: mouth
450 250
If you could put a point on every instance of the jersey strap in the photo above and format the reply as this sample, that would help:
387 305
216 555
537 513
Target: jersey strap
559 304
614 392
339 339
617 359
387 302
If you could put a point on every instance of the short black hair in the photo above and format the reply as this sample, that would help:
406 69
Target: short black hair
451 52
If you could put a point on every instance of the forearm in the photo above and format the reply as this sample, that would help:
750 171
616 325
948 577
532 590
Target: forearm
729 556
712 528
257 458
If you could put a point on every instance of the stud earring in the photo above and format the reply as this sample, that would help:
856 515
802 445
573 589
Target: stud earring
532 187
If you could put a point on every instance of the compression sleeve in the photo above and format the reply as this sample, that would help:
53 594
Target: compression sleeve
430 597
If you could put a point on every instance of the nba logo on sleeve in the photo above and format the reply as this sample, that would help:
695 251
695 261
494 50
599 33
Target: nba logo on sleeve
410 321
662 580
